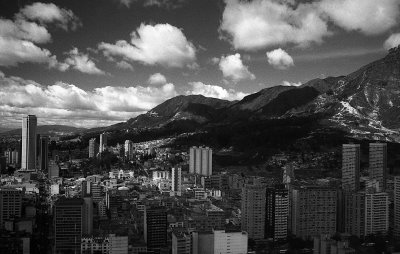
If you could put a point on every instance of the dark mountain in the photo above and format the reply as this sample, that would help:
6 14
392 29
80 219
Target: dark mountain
51 130
322 112
194 108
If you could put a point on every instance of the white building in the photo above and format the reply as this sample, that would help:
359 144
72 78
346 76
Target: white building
376 213
103 143
219 242
200 161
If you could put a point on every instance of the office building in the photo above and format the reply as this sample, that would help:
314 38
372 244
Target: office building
219 241
351 167
68 216
277 212
54 169
10 204
200 161
103 143
96 190
87 220
354 214
28 157
92 148
312 211
177 181
253 210
129 150
44 153
378 163
376 213
110 244
155 228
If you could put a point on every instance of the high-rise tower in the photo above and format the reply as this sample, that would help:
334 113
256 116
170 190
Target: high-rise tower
378 163
28 158
351 167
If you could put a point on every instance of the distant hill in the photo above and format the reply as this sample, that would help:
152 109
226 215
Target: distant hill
51 130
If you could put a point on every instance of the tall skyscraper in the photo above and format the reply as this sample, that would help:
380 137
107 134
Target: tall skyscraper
200 161
92 148
351 167
10 204
253 210
103 143
277 212
376 213
155 228
44 153
128 149
29 124
397 207
177 181
378 163
68 216
312 211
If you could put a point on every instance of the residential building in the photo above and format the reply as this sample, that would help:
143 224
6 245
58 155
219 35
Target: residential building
376 213
177 181
103 142
277 212
378 163
351 167
10 204
155 228
92 148
354 215
44 153
219 242
312 211
397 207
253 210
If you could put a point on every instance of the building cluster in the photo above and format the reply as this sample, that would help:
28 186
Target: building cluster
160 200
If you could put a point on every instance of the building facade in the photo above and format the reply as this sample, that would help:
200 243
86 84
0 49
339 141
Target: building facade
29 139
200 161
376 213
277 212
177 181
378 163
351 167
253 210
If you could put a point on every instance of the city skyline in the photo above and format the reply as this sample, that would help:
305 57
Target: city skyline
73 66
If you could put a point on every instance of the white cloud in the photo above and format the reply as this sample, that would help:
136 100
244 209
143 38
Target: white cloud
82 63
215 91
280 59
287 83
157 79
50 13
167 4
124 65
161 44
69 104
18 37
367 16
252 25
392 41
233 68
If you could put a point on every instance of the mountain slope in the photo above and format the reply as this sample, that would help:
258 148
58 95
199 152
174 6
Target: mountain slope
51 130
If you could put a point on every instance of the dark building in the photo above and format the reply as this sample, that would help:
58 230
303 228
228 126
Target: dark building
44 153
68 215
277 211
155 228
10 204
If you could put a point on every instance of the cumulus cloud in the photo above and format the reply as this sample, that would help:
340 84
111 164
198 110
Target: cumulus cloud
51 13
81 62
252 25
280 59
367 16
19 37
69 104
233 68
392 41
257 24
167 4
157 79
287 83
160 44
215 91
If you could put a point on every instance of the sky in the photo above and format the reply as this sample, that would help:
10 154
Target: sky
89 63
